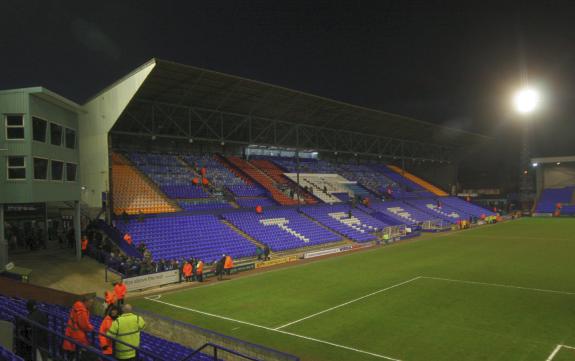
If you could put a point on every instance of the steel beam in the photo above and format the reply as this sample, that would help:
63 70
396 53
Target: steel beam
235 128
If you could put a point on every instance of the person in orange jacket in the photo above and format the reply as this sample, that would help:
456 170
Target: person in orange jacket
106 344
187 271
120 292
200 271
109 299
128 238
228 265
78 324
84 245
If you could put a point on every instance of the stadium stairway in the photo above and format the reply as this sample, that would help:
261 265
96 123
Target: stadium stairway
262 179
133 192
428 186
231 167
276 173
242 233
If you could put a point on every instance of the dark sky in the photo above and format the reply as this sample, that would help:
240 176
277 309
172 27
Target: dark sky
449 64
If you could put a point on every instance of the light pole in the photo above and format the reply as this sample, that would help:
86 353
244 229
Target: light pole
525 102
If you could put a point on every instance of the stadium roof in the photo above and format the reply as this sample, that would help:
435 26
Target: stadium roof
47 95
174 83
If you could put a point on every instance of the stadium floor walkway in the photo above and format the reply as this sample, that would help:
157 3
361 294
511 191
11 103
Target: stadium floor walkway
57 268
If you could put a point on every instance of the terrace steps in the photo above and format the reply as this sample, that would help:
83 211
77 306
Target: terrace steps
426 185
242 233
321 225
263 179
232 168
276 174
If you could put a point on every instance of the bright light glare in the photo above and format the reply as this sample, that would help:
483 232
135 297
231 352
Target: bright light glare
526 100
535 164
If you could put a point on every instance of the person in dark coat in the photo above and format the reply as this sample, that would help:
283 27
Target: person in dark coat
266 252
38 336
220 267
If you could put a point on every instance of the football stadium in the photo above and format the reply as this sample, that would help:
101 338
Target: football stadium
186 214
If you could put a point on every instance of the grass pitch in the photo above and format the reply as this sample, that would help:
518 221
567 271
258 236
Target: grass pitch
501 292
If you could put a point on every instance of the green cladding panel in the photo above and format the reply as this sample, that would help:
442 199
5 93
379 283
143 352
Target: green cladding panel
41 103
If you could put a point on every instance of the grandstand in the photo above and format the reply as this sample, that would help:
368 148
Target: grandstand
556 186
166 178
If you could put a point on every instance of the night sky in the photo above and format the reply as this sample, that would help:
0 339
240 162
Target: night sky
453 65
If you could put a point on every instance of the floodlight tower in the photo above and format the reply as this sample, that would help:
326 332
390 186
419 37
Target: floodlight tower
525 101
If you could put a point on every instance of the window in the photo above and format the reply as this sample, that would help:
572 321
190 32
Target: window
57 168
39 129
14 126
55 134
71 172
40 168
16 167
70 138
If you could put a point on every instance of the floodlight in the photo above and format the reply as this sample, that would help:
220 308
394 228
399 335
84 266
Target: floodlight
526 100
535 165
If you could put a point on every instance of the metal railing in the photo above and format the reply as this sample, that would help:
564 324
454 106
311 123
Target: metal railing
49 340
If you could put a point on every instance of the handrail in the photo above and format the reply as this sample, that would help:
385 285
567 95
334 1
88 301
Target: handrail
33 342
115 235
63 322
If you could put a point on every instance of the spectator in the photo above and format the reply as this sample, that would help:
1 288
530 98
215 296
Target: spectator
200 271
38 336
120 291
259 253
141 248
105 343
70 237
266 252
220 267
126 328
78 325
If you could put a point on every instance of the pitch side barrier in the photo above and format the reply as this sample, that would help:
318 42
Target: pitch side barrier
200 339
158 279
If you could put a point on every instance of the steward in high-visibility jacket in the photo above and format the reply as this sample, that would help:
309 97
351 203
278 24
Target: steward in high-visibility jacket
105 342
128 238
109 298
120 292
187 271
228 265
84 244
126 328
200 271
78 324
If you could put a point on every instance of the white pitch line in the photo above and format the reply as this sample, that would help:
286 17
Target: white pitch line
500 285
274 330
555 350
346 303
